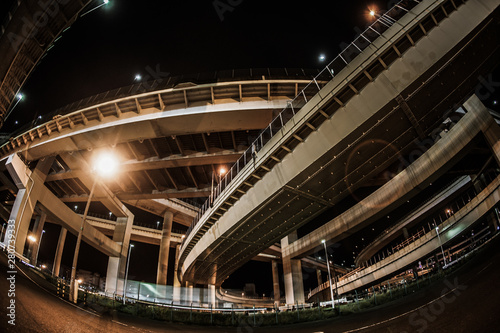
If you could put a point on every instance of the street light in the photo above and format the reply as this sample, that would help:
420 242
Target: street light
222 171
104 2
329 276
126 271
38 247
19 98
441 245
105 166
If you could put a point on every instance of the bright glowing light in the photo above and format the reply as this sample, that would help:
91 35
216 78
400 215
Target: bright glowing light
32 238
323 241
138 77
105 2
20 96
222 171
372 13
43 266
106 165
321 57
79 281
131 245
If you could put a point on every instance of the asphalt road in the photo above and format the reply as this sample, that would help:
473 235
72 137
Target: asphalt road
465 301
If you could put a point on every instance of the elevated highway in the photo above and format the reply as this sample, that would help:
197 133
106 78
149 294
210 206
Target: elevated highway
392 92
411 219
474 210
29 31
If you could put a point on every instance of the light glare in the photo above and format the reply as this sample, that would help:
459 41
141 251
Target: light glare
106 165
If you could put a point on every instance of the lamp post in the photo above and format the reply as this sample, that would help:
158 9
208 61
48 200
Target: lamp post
31 239
105 166
38 247
126 272
441 245
104 2
329 275
19 97
222 172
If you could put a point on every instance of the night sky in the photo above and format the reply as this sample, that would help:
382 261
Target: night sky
108 47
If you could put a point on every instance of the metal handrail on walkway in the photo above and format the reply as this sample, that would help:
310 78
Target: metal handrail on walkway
363 41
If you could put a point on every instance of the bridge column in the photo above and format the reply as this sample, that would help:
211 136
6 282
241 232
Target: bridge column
38 231
116 265
492 132
177 285
30 185
59 250
189 292
276 283
406 235
292 270
320 278
211 295
161 275
493 220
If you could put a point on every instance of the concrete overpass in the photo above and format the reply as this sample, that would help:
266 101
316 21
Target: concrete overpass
411 219
396 92
170 137
385 94
31 29
424 246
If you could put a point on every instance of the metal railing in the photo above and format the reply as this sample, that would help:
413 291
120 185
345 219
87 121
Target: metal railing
170 82
441 217
395 227
364 40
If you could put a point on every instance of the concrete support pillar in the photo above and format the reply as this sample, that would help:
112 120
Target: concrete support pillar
494 220
161 275
211 295
177 285
436 259
189 289
276 283
492 132
112 276
59 252
292 271
30 184
406 235
319 276
116 265
38 233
